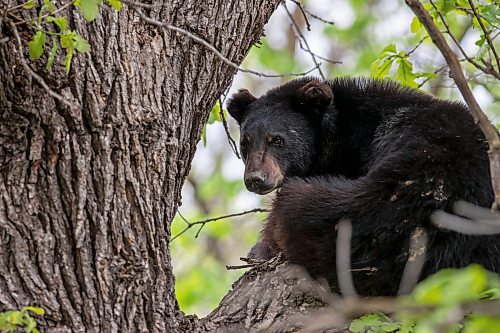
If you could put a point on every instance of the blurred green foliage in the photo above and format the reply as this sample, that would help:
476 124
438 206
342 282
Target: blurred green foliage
13 321
371 38
438 304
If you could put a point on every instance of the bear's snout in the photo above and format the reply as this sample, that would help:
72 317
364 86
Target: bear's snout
263 176
255 181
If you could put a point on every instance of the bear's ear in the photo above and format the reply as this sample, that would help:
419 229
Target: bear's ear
315 94
238 104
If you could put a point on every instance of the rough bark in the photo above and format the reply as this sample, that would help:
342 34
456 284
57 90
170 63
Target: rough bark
87 196
272 297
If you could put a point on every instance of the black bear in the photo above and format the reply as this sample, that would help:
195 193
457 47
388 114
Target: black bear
382 155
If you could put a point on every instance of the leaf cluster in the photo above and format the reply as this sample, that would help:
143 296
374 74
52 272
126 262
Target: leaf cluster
440 303
49 24
450 16
12 321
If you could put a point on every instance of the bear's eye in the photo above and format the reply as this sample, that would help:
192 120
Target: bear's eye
278 141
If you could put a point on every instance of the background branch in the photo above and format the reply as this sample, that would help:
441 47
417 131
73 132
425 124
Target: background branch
202 223
212 48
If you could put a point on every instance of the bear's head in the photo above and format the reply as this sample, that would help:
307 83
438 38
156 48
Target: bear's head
278 131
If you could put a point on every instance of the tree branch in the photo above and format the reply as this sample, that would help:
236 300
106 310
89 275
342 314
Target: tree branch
488 70
456 73
343 256
212 48
300 37
202 223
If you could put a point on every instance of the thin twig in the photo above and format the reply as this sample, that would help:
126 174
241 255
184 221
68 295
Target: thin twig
313 15
152 21
299 5
437 71
232 143
470 12
457 43
254 261
474 212
63 7
302 39
230 267
489 131
464 226
202 223
486 34
343 256
37 77
415 262
144 5
14 8
416 46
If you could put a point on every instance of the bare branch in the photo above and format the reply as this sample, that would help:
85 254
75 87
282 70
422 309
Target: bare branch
232 143
343 256
311 14
302 39
415 262
202 223
234 267
416 46
474 212
63 7
144 5
37 77
299 5
456 72
212 48
464 226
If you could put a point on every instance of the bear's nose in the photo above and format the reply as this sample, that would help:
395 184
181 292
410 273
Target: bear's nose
255 180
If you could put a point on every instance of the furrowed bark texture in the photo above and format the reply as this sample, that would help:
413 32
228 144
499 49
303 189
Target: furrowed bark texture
272 297
87 195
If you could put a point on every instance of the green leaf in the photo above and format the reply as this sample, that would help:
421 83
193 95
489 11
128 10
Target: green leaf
67 60
491 294
60 22
382 69
482 51
363 323
35 46
389 49
482 324
415 25
491 13
30 4
446 6
405 74
81 43
204 135
35 310
49 6
52 54
451 286
116 4
89 8
67 40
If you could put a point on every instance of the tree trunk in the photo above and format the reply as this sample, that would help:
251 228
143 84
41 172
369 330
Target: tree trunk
87 195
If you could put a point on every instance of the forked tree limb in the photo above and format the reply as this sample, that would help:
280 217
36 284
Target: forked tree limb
456 73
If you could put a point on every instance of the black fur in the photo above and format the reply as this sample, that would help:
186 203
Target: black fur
385 157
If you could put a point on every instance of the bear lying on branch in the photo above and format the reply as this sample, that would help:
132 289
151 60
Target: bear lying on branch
374 152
